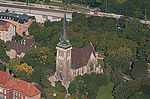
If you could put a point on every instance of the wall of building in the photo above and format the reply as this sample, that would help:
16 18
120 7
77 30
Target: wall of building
12 53
63 63
20 28
93 61
38 96
3 93
7 35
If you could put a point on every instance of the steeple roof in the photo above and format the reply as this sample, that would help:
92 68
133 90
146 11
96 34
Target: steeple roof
64 34
64 42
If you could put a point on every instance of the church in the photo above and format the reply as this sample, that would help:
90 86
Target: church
72 62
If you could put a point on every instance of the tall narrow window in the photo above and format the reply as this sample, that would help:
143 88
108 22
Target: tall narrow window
82 70
91 66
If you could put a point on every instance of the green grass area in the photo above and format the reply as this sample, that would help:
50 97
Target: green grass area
105 92
98 0
54 90
64 5
55 4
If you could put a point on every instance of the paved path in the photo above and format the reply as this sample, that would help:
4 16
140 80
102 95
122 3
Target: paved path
52 79
3 62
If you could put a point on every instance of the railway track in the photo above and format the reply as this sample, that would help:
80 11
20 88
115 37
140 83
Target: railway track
34 8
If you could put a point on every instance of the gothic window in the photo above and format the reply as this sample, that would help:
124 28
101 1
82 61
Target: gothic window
78 72
60 70
60 64
82 70
60 74
91 67
62 53
74 73
59 53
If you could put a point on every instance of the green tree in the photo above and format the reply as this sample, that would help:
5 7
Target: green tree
2 67
3 55
45 35
134 30
110 25
34 28
120 59
139 69
127 89
59 87
78 40
40 57
87 84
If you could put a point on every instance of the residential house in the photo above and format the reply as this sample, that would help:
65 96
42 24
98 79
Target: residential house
14 88
17 49
7 30
21 21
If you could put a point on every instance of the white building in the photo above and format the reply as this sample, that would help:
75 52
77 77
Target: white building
7 31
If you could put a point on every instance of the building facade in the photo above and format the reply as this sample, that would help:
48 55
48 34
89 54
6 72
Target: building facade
7 30
13 88
21 21
72 62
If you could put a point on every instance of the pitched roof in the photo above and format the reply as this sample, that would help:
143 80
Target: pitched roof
2 22
4 77
21 48
4 25
80 56
21 18
28 89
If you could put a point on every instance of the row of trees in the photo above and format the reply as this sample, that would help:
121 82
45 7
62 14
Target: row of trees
3 55
133 8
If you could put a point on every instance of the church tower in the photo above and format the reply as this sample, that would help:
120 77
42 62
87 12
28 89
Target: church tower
63 58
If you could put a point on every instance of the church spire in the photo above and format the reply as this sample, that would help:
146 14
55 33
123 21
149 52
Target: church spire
64 33
64 42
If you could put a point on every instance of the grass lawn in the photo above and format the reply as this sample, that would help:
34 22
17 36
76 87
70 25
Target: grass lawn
55 4
105 92
63 5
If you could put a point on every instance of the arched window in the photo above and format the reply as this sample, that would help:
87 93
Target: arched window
91 67
60 64
77 72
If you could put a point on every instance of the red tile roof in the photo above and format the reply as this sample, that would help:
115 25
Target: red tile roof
4 77
28 89
4 25
80 56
